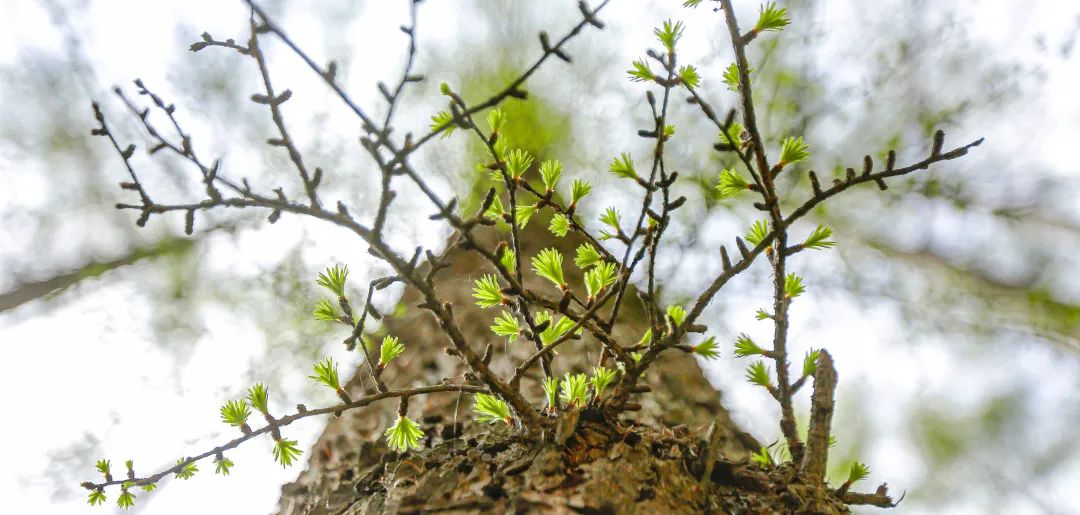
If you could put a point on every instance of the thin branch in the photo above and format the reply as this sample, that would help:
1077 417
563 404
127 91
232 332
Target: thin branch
274 101
276 423
406 76
780 300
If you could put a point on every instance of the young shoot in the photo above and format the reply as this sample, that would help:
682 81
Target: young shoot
223 466
707 349
286 452
623 166
550 171
640 72
391 348
731 183
601 378
574 392
731 77
126 499
560 225
578 190
859 471
555 329
235 413
599 277
745 346
548 264
524 213
676 315
96 497
758 232
257 396
772 19
495 211
443 120
104 466
326 373
819 239
809 364
734 135
793 286
326 311
403 435
587 256
495 119
793 150
517 162
507 326
187 469
334 278
646 338
551 393
508 260
490 409
689 76
610 218
669 34
487 292
762 457
759 374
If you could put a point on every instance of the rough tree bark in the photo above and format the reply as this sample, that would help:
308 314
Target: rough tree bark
680 453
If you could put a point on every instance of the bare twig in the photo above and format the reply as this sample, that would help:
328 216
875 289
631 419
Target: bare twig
275 424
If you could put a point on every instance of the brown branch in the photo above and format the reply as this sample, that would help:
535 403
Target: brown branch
274 424
546 350
511 90
125 154
274 101
880 499
626 266
406 70
369 124
842 185
814 464
736 145
780 300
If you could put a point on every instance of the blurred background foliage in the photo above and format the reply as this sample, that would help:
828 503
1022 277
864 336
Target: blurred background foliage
953 297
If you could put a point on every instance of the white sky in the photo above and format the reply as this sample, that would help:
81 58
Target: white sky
63 369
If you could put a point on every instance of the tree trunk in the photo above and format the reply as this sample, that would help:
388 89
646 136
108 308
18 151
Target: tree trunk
652 462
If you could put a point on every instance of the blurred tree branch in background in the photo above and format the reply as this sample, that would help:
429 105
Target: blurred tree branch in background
27 291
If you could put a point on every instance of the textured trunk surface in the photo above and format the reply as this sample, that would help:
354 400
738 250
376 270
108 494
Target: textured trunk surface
651 461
